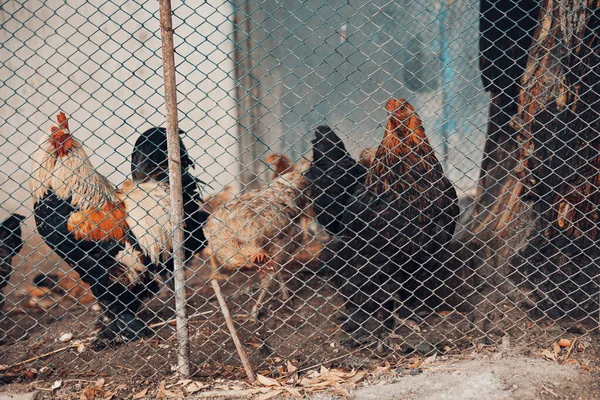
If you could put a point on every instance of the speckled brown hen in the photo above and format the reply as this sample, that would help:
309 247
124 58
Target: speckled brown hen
261 230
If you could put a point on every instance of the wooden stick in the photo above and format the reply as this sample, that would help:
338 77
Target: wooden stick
234 336
569 350
168 56
71 346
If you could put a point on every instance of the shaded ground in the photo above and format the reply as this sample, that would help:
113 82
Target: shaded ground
304 333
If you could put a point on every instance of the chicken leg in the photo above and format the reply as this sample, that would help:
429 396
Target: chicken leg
268 271
265 284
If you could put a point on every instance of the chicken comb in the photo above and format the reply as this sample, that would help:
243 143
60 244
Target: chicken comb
61 118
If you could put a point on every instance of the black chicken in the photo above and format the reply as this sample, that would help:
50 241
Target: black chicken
149 161
393 229
11 243
334 177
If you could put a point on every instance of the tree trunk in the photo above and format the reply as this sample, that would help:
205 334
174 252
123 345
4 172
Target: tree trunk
531 240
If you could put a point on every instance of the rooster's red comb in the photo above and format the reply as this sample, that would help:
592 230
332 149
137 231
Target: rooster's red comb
61 118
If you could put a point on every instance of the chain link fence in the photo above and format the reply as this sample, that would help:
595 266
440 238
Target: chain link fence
344 227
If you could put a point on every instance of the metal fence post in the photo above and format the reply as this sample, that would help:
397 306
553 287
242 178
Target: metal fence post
168 54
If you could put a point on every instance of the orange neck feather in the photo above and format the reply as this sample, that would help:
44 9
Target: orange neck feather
106 222
403 144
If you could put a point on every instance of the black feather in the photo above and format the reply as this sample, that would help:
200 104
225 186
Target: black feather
11 243
334 177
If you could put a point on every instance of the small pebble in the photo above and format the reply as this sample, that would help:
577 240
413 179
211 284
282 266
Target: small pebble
415 371
65 337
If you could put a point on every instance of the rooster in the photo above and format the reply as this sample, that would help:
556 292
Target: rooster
116 239
261 230
392 229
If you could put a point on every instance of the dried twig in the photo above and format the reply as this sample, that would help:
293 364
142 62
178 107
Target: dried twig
71 346
569 350
234 336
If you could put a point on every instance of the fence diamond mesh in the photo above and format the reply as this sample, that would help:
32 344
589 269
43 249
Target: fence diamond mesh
366 181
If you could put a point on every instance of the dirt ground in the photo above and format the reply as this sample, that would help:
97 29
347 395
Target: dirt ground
296 347
500 376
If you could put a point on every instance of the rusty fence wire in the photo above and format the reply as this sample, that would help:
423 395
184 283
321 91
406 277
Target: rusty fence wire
364 180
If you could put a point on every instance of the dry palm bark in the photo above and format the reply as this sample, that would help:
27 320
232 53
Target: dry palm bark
532 239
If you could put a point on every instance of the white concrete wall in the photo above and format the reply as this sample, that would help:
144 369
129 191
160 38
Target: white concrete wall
102 66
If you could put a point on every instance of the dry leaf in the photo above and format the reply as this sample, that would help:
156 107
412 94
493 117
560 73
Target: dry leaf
160 393
178 394
100 383
571 361
341 391
414 362
322 385
357 378
56 385
270 394
564 342
548 354
388 367
294 392
555 349
80 348
341 374
92 393
140 395
183 382
429 360
194 387
267 381
290 368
